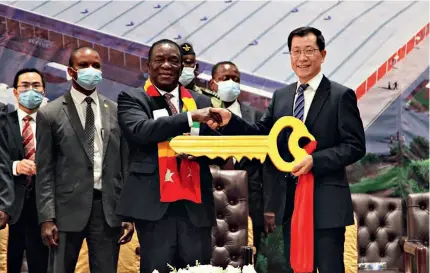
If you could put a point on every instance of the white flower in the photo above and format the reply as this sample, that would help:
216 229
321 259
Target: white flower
231 269
248 269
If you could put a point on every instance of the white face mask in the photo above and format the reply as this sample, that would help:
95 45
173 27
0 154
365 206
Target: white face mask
228 91
187 76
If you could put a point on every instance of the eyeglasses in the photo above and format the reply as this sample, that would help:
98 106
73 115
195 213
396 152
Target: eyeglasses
36 85
309 52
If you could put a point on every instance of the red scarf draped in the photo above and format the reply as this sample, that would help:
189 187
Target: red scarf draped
302 222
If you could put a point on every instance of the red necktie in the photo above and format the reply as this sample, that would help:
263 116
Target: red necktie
28 142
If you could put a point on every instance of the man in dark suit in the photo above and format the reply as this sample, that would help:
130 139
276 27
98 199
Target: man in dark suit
6 180
24 229
226 82
330 113
81 162
175 232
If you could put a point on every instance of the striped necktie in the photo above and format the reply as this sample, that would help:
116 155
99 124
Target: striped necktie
299 105
29 145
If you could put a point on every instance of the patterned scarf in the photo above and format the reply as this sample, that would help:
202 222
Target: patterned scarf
183 184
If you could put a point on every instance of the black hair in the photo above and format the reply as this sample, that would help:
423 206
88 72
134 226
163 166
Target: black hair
27 70
164 41
73 53
303 31
215 67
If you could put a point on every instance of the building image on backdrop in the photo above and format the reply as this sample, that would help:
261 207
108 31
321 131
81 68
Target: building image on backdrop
372 46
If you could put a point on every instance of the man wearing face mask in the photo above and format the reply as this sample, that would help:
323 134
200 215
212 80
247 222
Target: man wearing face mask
190 73
24 230
226 82
81 161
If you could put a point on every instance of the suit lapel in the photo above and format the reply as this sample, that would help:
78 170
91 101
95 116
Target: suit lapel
70 110
245 112
106 120
289 99
318 102
16 132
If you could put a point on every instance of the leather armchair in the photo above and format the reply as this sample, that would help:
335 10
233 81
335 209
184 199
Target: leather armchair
417 242
230 235
379 231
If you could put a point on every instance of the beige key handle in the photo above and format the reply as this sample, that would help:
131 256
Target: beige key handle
299 130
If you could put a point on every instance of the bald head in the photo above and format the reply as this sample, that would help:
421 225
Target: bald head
81 51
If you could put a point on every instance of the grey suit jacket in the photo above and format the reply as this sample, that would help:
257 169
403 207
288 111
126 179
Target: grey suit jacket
6 179
64 182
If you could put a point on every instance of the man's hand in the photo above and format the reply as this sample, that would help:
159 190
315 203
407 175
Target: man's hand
49 233
304 166
26 167
204 115
219 117
4 218
269 222
127 230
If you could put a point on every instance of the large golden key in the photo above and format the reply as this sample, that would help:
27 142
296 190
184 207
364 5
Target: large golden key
248 146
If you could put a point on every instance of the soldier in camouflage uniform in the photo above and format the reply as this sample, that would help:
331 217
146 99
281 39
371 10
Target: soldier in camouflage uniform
190 73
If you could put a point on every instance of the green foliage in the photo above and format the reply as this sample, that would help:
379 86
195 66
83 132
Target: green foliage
370 158
272 253
386 179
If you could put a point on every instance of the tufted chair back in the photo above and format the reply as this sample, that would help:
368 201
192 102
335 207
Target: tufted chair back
230 235
379 230
417 205
418 217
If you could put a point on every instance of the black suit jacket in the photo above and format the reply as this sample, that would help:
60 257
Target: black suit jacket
64 182
6 180
254 170
140 197
334 120
16 149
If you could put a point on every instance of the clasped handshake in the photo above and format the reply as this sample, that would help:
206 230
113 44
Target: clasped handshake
213 117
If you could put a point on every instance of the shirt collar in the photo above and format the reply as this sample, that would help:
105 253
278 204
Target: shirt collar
234 107
79 97
22 115
313 83
174 92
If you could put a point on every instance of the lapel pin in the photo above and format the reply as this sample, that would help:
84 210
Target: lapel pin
106 106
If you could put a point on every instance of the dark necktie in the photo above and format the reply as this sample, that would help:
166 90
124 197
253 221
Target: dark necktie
168 97
90 128
299 105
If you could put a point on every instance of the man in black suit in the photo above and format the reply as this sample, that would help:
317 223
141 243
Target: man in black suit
6 180
226 83
81 165
170 232
330 113
24 229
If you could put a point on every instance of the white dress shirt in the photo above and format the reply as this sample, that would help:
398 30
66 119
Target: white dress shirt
309 93
21 116
235 108
175 101
81 108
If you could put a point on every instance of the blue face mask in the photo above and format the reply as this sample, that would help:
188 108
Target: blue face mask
187 76
228 91
30 99
88 78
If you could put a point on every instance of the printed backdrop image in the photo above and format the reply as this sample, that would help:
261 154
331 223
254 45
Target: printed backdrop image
359 55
